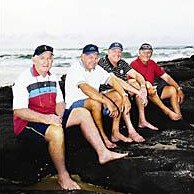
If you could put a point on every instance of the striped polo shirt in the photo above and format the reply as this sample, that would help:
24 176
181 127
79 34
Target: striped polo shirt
120 70
35 92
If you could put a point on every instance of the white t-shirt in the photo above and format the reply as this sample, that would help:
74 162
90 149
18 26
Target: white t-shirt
76 75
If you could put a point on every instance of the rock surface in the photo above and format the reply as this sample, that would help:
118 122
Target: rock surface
163 164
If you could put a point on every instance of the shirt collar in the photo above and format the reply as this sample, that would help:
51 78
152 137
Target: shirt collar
35 72
107 59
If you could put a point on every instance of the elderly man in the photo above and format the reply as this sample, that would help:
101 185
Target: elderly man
113 63
39 112
82 90
170 90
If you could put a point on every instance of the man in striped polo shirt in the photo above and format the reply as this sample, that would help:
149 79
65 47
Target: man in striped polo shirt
39 113
113 63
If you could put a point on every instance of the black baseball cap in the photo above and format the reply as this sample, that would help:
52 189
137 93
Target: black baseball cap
146 46
41 49
116 45
90 48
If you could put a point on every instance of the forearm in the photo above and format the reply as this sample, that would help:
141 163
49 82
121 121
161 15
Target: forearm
127 86
30 115
170 81
116 85
60 108
92 93
137 76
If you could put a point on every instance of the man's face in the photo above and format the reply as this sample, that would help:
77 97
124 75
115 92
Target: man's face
145 55
114 55
43 62
90 61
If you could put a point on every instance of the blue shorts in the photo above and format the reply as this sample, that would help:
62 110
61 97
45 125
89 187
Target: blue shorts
80 104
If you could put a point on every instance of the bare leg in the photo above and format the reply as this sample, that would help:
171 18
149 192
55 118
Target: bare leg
55 137
153 96
116 135
142 120
83 117
170 92
132 132
95 108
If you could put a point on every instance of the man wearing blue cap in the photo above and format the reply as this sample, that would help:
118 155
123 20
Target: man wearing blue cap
82 90
169 90
113 63
39 114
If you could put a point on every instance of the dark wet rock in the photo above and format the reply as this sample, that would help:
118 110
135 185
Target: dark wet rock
164 163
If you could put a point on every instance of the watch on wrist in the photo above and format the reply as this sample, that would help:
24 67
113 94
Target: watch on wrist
179 88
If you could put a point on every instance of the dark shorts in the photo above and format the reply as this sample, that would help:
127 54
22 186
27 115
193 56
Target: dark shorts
160 87
36 131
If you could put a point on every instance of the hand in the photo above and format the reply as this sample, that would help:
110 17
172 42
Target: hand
113 110
143 95
126 107
180 96
53 119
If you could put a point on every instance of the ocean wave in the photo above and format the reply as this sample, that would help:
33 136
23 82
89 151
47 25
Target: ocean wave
62 65
174 47
15 56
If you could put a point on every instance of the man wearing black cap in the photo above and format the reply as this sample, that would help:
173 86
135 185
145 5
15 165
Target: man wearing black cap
39 113
113 63
151 70
82 90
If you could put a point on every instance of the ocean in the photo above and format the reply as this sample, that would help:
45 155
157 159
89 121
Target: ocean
13 61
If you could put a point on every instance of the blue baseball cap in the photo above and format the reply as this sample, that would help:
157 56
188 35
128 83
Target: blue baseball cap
90 48
116 45
146 46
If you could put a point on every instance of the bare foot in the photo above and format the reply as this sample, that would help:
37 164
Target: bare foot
174 116
109 144
135 136
148 125
67 183
108 156
120 137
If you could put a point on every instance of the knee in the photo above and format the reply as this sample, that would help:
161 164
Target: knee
55 133
118 99
172 91
95 105
152 93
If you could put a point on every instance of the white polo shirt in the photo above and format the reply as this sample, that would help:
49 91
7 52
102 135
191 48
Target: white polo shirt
76 75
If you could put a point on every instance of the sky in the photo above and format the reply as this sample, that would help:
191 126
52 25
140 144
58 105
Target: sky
75 23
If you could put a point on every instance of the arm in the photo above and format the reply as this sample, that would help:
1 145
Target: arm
116 85
166 77
140 79
95 95
137 76
33 116
127 86
59 109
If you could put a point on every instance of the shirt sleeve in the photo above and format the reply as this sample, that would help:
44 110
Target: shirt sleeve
59 97
20 95
104 76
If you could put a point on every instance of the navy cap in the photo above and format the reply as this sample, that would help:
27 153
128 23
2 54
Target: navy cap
116 45
146 46
90 48
41 49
